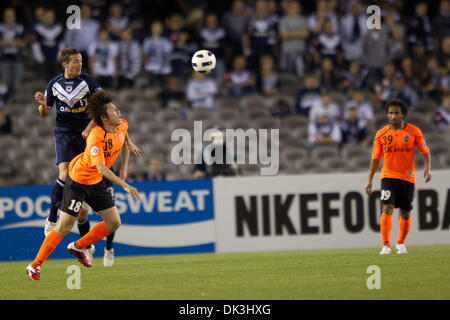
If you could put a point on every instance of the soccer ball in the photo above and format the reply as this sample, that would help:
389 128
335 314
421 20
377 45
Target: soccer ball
203 61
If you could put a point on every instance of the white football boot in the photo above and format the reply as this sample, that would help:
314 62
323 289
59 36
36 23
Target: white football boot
49 226
90 253
108 258
385 250
401 248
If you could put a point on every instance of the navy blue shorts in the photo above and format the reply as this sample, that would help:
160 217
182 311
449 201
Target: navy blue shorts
68 145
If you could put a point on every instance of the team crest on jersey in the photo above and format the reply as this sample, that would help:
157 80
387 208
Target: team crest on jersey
406 137
121 137
69 88
94 150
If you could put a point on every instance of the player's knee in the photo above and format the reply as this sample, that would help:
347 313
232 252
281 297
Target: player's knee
114 225
388 209
83 212
63 229
405 214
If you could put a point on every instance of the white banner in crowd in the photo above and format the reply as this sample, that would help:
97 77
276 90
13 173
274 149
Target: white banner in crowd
321 212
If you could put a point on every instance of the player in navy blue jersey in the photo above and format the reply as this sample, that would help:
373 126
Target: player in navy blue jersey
70 91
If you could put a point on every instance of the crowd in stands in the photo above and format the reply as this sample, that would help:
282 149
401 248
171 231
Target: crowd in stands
325 46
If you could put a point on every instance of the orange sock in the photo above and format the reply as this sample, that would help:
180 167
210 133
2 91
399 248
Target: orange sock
47 247
403 229
385 229
97 233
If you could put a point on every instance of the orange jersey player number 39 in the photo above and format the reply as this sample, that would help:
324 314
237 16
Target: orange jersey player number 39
398 148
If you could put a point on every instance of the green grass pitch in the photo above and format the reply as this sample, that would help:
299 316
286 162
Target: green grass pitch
423 273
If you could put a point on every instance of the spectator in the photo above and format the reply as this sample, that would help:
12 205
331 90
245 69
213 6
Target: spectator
281 109
48 41
214 163
363 108
200 91
156 50
353 128
260 36
324 105
444 50
11 44
268 82
154 172
442 115
5 123
324 131
38 17
116 21
175 24
293 33
353 28
328 75
354 77
212 38
420 27
130 59
234 22
4 93
323 12
181 55
328 44
103 59
396 33
441 23
84 37
240 81
384 86
444 76
172 97
400 90
308 96
375 52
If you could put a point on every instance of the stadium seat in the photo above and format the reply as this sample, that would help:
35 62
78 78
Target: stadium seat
337 164
291 154
324 151
254 99
294 121
350 151
227 103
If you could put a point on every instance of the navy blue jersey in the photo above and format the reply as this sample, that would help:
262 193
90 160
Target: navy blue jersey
71 97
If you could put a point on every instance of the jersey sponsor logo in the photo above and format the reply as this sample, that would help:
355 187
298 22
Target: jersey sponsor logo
94 151
394 149
75 110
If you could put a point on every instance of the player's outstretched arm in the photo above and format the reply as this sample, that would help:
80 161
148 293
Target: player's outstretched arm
108 174
373 168
132 147
88 129
123 172
427 165
40 98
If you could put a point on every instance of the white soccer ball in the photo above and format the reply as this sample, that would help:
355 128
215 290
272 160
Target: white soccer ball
203 61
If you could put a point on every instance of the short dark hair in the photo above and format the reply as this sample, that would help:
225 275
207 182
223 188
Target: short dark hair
64 54
96 106
397 103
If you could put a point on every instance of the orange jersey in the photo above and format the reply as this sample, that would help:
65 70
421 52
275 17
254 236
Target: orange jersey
102 147
398 148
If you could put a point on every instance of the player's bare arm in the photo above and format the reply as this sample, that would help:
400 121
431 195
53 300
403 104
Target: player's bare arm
123 172
39 97
427 165
88 129
373 168
108 174
131 146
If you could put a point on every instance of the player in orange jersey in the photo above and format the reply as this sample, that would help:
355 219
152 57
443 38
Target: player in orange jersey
397 142
88 181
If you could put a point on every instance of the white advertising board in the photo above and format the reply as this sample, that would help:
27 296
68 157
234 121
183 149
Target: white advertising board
321 211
